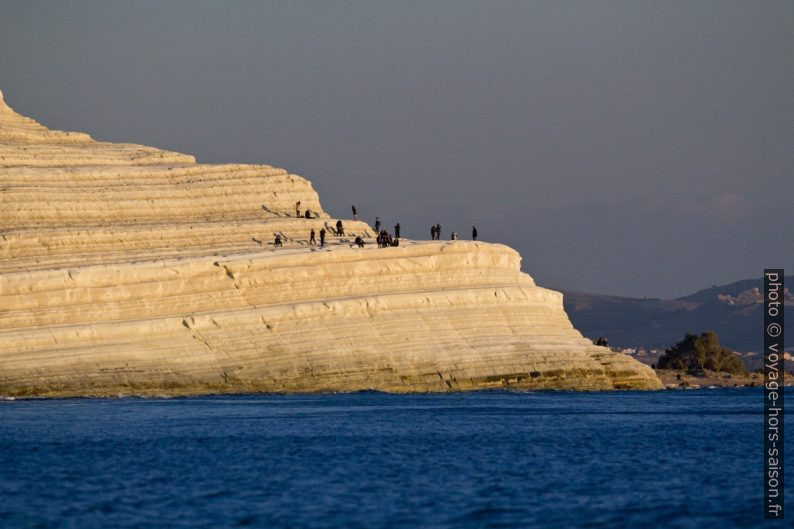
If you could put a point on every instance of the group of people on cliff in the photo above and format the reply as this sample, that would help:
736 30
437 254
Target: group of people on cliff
309 214
384 238
435 233
313 240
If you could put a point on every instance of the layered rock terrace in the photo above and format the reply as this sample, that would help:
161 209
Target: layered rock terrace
130 270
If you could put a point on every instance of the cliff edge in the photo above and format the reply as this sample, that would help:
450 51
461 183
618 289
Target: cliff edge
129 270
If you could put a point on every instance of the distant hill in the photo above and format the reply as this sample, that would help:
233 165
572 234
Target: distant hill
734 311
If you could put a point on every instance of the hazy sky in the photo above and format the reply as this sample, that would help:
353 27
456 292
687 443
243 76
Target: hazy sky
637 148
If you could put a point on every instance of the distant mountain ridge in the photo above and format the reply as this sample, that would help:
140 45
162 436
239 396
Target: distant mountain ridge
734 311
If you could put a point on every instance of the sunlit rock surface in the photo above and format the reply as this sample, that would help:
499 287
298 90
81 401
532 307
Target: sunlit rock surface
129 270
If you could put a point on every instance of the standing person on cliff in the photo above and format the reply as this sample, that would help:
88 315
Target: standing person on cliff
322 237
355 212
397 231
474 233
377 224
311 237
438 232
340 229
432 233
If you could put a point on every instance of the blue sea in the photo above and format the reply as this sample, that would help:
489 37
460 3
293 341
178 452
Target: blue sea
467 460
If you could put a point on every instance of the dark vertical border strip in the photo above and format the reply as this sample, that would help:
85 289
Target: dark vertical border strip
774 300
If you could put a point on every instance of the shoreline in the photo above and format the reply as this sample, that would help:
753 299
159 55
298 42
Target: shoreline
674 379
687 382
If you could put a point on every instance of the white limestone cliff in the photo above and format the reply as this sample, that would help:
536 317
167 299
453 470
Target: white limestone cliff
126 269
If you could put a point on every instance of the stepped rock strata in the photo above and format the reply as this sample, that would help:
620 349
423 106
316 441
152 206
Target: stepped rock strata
129 270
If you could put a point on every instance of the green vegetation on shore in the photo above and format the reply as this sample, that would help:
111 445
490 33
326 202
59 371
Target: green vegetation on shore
701 352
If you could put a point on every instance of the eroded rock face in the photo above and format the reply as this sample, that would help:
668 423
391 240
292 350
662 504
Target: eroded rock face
125 269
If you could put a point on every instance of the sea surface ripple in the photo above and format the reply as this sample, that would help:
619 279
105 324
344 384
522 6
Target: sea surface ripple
468 460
